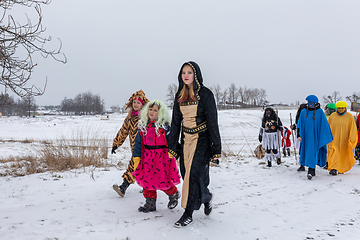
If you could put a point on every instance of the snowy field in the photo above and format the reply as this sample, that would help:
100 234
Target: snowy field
251 201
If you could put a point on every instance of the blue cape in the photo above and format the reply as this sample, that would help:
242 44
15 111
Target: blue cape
315 135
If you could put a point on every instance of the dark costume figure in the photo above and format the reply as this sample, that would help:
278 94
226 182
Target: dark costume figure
314 134
195 117
294 128
357 148
285 141
129 128
270 136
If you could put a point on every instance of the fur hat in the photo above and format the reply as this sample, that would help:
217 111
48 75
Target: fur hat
139 94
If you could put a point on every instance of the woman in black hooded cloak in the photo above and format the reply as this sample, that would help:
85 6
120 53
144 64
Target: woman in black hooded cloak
195 117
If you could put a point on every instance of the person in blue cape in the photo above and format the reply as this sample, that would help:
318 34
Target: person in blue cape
314 134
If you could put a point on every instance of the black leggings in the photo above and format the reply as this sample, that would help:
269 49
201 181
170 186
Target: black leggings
275 151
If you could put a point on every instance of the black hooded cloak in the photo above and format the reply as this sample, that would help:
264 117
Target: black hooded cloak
200 141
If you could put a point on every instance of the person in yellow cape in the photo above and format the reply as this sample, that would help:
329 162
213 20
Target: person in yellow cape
340 150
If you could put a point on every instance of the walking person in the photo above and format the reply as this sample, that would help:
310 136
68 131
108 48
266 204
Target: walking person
314 134
329 109
340 150
357 148
195 118
294 128
154 170
129 128
285 141
269 135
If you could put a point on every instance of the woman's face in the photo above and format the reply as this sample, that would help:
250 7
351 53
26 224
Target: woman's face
153 112
136 105
187 75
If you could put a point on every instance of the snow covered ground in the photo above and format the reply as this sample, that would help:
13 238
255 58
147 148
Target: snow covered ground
251 201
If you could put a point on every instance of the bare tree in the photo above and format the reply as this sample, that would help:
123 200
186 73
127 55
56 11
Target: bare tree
247 96
233 94
241 94
355 97
333 98
170 96
261 97
18 43
216 89
224 96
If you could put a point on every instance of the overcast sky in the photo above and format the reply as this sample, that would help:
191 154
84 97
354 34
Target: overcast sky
289 48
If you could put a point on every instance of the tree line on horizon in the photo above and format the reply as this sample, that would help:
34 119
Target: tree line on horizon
229 98
82 104
88 103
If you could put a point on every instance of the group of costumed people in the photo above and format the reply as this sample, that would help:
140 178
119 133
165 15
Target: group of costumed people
155 146
192 136
329 139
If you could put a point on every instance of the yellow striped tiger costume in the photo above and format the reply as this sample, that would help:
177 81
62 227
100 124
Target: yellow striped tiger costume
129 128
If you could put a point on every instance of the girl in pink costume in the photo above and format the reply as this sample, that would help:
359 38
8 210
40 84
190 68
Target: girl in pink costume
154 169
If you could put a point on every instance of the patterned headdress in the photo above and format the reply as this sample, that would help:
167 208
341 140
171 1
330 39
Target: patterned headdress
138 95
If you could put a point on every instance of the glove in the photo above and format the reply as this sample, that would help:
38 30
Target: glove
136 162
280 128
260 138
113 150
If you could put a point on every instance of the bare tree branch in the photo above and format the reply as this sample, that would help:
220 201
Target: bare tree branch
18 43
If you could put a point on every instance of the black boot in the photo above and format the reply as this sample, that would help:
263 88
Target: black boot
269 164
122 188
173 200
288 151
301 169
311 173
333 172
284 152
149 206
208 206
326 166
278 161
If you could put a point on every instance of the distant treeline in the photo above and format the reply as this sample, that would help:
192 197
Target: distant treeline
231 97
83 103
21 106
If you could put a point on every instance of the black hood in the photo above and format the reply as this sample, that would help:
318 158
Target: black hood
273 115
198 80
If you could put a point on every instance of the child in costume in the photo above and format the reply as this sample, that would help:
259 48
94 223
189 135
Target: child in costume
129 128
154 169
269 135
286 142
340 150
314 134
